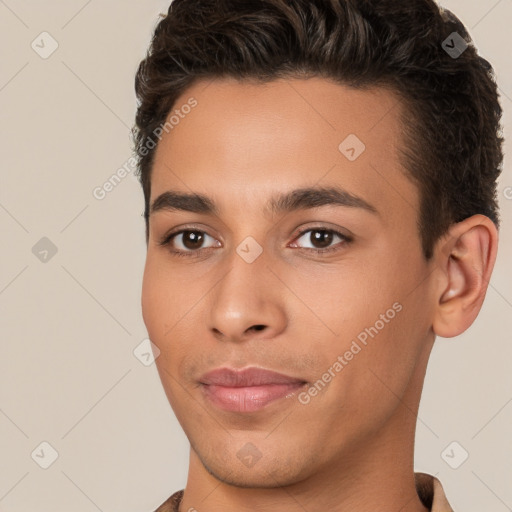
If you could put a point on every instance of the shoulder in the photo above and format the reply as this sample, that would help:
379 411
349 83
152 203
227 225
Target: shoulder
431 493
172 503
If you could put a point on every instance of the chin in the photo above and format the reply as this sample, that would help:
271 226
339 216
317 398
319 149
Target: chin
250 479
264 473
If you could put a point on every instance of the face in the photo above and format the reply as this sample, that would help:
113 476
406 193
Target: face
328 287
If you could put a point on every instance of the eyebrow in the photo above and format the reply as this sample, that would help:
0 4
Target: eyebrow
299 199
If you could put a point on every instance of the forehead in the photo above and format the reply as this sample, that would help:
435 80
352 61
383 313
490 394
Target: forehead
244 141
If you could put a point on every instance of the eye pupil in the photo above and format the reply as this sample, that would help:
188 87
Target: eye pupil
192 239
322 236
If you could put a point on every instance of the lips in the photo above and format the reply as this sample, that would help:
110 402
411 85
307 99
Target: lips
248 377
247 390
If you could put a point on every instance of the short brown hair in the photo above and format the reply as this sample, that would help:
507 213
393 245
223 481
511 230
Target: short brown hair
452 135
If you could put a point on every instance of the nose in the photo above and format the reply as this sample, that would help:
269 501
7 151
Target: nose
247 302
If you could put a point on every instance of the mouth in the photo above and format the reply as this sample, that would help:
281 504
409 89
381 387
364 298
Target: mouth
247 390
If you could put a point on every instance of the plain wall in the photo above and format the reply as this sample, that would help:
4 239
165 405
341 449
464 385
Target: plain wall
71 323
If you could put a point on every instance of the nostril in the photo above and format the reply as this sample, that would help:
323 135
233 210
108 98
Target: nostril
258 327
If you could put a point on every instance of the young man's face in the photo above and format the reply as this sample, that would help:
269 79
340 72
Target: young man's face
356 318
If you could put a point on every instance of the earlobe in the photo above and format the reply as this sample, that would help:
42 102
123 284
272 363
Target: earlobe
465 259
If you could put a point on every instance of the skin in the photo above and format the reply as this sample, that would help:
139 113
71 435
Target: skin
351 447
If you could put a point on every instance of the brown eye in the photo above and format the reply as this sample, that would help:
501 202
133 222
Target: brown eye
192 240
321 240
186 241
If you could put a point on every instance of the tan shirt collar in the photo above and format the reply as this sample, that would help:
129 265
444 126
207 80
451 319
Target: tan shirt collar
429 489
431 493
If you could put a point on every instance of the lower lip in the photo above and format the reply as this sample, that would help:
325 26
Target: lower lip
248 399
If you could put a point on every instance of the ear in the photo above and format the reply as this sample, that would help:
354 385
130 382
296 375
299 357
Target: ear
465 258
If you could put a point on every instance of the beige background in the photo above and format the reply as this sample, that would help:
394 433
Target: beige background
70 324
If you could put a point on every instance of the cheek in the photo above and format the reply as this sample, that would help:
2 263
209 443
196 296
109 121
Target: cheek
374 379
164 304
153 300
165 299
172 308
371 316
391 343
343 299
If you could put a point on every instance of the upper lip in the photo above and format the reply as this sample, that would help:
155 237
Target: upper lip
230 377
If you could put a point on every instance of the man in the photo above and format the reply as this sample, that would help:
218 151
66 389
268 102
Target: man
320 193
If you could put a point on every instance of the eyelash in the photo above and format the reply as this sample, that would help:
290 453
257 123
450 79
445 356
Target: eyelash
166 240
